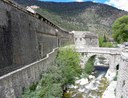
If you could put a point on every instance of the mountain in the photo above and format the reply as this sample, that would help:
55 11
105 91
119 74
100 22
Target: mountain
78 16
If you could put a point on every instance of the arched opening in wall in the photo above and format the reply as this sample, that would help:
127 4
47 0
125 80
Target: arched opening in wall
117 67
101 63
96 67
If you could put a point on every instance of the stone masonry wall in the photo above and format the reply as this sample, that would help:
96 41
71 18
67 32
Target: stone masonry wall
122 79
25 37
13 84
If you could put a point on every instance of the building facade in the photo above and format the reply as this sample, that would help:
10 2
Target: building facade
84 39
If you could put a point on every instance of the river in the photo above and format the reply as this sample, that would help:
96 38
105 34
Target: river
92 86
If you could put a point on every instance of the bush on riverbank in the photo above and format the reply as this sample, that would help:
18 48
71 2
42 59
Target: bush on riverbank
50 86
63 72
69 61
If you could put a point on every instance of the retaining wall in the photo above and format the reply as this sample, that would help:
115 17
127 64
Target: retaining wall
13 84
122 79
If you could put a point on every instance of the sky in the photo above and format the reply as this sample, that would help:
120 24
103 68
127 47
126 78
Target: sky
120 4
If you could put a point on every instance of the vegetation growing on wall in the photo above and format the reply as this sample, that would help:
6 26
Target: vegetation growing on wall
53 82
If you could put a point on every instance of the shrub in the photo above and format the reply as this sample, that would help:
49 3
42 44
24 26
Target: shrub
69 60
89 67
63 72
103 42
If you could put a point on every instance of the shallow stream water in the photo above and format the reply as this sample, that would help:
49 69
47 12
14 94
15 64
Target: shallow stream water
91 87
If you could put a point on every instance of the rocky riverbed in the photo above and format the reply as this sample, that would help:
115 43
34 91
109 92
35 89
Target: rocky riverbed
92 86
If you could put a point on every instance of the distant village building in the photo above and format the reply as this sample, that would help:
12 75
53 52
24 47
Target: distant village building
30 9
85 39
34 7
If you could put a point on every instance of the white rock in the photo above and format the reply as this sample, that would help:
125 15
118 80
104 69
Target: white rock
77 82
91 77
93 72
110 75
75 87
91 86
72 86
81 90
94 77
110 91
83 81
98 82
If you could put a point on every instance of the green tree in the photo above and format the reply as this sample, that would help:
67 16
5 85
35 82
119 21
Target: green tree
120 29
103 42
62 72
105 38
69 60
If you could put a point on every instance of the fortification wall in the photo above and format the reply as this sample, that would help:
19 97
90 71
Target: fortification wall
122 79
13 84
25 37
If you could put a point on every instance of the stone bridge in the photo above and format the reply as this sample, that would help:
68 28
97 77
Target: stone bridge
86 43
112 54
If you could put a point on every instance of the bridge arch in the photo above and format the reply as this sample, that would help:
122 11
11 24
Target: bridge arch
113 59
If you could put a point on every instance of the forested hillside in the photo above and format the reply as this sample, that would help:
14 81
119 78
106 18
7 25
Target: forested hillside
90 16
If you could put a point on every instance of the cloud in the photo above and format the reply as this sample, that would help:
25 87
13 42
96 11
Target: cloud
121 4
94 1
79 0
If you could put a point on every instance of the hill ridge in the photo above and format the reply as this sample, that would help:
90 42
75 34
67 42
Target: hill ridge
89 16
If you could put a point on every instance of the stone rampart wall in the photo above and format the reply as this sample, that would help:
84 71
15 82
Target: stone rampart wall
26 37
13 84
122 79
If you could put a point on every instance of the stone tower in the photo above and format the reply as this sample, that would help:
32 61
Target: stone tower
84 39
